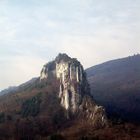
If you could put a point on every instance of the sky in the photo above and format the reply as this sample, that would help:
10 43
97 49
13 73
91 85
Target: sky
33 32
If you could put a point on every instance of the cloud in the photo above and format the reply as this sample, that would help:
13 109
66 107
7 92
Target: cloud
108 43
33 32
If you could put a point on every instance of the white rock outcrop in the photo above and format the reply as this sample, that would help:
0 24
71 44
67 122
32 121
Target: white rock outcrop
74 91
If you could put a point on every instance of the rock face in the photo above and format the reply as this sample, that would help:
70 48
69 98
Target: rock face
74 91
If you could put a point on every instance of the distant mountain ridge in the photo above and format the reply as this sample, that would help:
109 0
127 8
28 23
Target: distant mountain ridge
8 90
116 85
14 89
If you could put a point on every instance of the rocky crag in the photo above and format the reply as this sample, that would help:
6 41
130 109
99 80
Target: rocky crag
74 90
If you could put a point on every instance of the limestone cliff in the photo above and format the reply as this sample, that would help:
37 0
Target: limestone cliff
74 91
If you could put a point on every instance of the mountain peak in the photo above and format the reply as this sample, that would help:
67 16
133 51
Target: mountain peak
62 57
74 91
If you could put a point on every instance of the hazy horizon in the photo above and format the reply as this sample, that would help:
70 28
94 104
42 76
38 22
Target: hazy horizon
33 32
